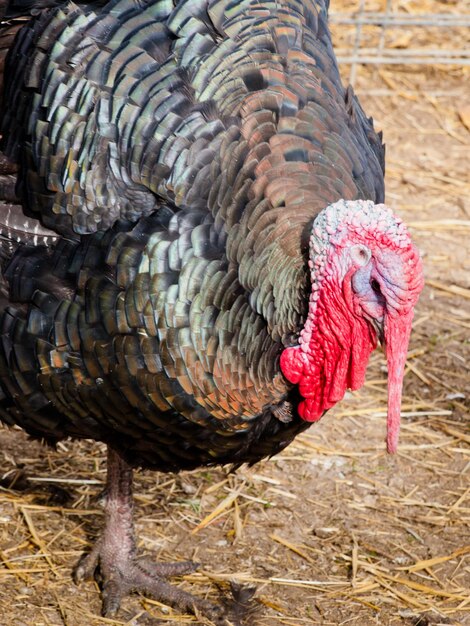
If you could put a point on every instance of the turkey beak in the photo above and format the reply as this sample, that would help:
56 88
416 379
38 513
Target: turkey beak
397 330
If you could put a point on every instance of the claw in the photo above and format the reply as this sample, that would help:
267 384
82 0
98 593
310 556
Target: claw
87 565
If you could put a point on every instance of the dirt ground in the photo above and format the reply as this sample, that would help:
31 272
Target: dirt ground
333 531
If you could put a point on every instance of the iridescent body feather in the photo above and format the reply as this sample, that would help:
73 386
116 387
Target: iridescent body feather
229 123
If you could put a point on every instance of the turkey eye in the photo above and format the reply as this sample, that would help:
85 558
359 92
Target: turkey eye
375 286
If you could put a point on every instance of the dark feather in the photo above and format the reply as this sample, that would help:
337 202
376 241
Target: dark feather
181 315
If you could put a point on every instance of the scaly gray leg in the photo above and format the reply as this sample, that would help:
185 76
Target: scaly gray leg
115 555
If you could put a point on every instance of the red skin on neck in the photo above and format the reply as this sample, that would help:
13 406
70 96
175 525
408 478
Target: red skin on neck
338 351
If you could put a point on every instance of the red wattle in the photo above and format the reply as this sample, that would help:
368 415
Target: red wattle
292 364
338 352
309 410
363 343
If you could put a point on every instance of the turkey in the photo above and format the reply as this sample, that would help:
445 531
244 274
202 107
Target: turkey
197 261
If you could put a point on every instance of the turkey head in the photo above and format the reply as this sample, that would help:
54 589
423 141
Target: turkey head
366 277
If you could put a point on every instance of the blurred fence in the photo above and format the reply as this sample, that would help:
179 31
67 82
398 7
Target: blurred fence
394 36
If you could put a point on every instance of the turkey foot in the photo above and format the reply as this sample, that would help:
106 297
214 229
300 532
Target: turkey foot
115 555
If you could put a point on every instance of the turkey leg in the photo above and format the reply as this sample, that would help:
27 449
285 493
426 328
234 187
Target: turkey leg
115 554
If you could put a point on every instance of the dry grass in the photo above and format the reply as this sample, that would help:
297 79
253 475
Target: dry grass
332 531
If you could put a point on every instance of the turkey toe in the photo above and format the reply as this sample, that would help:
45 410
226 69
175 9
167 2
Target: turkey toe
113 559
87 565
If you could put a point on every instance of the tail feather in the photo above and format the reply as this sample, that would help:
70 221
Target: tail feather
16 228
